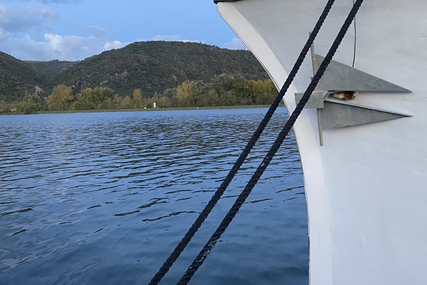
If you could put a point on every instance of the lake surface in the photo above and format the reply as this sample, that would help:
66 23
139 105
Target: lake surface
104 198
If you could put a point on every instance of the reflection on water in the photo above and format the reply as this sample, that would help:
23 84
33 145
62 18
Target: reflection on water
103 198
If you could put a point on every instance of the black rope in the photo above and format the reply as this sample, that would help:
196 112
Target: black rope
198 261
354 40
217 195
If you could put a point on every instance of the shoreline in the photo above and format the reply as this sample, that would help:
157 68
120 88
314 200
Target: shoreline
139 110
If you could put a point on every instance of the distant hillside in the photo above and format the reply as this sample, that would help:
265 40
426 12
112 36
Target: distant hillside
18 78
156 66
51 68
150 66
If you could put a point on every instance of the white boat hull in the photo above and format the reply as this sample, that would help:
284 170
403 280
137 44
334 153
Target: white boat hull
365 186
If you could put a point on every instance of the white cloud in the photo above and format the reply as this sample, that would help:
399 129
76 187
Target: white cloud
3 11
2 33
114 45
54 46
71 47
77 47
25 18
48 1
62 47
235 43
170 38
25 34
29 48
62 1
96 31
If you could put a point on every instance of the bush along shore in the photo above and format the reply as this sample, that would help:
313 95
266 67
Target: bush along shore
222 91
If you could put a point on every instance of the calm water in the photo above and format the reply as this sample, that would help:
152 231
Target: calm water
103 198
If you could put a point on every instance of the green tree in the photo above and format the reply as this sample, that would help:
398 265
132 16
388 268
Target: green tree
104 97
222 83
80 102
85 100
262 91
60 99
30 104
118 101
240 90
231 89
4 108
126 103
137 98
184 93
223 90
107 104
95 98
162 100
170 95
201 95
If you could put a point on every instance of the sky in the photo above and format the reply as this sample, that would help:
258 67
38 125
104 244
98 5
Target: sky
76 29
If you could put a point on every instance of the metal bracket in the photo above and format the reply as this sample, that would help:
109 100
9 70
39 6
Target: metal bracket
316 100
341 77
341 114
334 113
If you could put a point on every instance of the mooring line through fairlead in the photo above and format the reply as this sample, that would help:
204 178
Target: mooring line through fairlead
198 261
217 195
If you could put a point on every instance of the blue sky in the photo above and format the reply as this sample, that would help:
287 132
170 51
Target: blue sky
76 29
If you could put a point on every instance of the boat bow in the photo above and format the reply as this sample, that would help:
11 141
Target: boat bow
364 183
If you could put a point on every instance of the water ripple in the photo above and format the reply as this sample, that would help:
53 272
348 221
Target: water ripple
87 196
15 211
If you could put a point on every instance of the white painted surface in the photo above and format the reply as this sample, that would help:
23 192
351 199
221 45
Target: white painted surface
366 188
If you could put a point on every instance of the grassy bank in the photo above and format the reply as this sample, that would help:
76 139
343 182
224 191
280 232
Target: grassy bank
141 110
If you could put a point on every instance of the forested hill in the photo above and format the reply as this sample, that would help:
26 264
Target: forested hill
51 68
18 78
157 66
150 66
